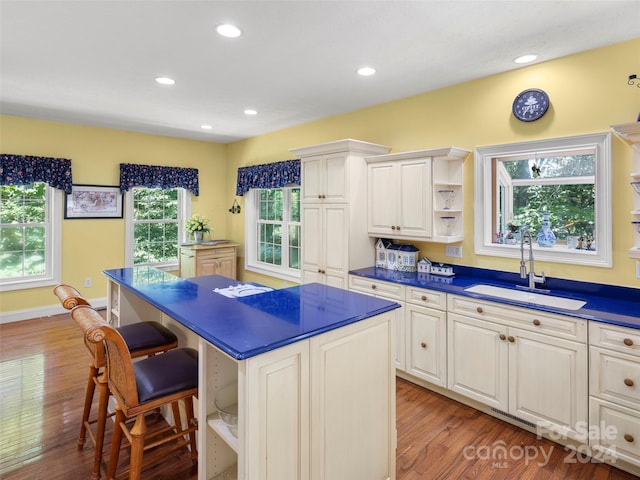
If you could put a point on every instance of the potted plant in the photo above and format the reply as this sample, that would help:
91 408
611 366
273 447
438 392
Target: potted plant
513 235
197 225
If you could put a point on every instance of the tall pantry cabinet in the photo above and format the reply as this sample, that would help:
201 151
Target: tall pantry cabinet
334 210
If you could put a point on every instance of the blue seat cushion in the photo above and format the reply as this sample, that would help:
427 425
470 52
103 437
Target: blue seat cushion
143 335
166 373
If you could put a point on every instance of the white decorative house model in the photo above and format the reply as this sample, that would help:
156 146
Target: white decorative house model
393 251
407 258
424 265
381 253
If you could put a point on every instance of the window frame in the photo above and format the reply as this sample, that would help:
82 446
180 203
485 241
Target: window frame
484 215
53 248
252 264
184 212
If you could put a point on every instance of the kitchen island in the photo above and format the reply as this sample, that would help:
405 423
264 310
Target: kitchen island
312 364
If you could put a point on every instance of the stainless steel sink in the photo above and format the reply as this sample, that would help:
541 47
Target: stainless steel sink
527 297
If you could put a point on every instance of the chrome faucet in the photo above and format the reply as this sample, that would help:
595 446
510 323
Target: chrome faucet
533 278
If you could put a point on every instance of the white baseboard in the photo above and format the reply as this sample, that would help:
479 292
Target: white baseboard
19 315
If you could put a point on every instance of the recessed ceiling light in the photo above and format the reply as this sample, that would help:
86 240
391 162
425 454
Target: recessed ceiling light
227 30
206 127
366 71
526 59
165 81
250 111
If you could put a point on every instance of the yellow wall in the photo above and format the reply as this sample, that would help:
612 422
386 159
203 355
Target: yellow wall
588 93
90 246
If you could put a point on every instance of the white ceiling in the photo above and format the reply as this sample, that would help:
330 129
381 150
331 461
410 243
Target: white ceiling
94 62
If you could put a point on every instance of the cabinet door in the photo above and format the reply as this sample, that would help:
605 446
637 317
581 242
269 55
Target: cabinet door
353 402
426 345
312 242
382 198
312 178
477 360
324 178
548 381
187 263
277 414
325 244
415 198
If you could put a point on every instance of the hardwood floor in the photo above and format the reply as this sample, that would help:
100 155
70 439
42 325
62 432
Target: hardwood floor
43 367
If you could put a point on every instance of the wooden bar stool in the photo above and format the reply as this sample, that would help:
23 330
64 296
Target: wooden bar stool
142 387
142 339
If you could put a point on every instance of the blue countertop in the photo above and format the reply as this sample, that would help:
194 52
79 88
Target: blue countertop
605 303
247 326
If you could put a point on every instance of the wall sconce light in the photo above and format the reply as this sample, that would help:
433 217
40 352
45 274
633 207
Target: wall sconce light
633 80
235 208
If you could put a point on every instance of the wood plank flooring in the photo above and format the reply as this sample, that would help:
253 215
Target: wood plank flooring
43 368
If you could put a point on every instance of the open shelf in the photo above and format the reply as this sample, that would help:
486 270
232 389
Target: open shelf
218 426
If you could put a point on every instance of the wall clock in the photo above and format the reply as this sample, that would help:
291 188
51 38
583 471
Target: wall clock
529 105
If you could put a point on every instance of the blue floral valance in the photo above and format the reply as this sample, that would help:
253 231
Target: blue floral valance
268 175
151 176
25 170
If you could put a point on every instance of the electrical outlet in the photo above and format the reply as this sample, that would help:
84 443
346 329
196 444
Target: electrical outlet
87 282
454 251
637 269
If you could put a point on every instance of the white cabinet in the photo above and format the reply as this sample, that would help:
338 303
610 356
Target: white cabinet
399 199
325 255
395 293
426 335
333 201
528 364
312 409
630 132
416 195
614 387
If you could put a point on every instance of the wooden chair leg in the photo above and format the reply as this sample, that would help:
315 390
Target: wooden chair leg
188 406
88 399
103 404
177 418
116 441
138 433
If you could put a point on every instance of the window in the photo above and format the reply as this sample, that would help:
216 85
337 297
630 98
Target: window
154 225
568 178
273 232
30 236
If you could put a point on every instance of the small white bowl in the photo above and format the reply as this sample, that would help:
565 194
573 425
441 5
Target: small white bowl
637 225
636 187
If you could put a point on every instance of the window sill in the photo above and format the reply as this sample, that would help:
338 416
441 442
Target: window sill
288 276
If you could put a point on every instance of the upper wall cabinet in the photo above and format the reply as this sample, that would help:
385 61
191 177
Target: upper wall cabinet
631 133
333 199
416 195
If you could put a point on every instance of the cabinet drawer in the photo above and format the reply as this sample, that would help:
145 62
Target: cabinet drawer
619 432
216 252
426 298
615 377
620 339
557 325
393 291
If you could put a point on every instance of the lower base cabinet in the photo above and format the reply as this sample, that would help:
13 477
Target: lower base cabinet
322 408
531 375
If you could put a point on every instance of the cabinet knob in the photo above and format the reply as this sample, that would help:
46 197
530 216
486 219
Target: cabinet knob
424 298
397 227
319 196
511 339
423 344
373 287
393 227
628 342
479 310
628 438
536 322
503 336
628 382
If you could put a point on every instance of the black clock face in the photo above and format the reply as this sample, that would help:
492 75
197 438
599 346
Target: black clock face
530 105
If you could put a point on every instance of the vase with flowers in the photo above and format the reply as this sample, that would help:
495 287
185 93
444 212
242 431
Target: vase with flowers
197 225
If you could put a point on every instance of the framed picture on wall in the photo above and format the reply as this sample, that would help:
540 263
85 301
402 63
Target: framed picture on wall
93 201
